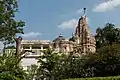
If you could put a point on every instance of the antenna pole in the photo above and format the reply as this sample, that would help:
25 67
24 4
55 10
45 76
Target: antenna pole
84 11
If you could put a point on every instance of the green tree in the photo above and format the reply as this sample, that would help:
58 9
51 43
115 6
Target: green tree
107 35
9 27
10 67
31 72
57 66
47 62
70 66
106 61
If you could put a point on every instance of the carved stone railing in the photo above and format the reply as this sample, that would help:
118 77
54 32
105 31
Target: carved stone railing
28 53
36 42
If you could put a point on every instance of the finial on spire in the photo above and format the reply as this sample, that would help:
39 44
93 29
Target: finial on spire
84 11
60 35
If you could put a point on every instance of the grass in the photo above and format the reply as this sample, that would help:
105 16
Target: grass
98 78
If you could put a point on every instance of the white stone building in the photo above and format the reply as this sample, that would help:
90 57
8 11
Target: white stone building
33 48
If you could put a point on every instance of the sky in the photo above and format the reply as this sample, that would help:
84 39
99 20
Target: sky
46 19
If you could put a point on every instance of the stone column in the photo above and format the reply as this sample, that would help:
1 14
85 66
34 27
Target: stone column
41 47
41 53
22 48
50 46
30 47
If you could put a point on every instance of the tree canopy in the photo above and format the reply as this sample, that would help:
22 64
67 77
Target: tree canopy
107 35
9 27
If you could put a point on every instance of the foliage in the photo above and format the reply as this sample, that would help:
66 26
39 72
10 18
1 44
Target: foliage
10 67
107 35
6 76
106 62
56 66
98 78
31 72
47 62
71 66
9 27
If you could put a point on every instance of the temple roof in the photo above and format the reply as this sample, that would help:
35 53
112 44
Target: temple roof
35 41
59 38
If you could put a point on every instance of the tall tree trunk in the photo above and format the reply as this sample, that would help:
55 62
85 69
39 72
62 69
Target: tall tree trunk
4 47
18 45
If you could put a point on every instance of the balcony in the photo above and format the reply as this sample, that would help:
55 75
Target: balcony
29 52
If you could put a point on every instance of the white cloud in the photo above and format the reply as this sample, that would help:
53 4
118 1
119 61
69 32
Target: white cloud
68 24
72 23
105 6
31 35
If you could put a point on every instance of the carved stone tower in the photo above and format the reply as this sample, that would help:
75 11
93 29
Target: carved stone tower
84 38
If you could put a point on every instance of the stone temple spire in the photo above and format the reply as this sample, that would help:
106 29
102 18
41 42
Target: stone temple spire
84 37
82 22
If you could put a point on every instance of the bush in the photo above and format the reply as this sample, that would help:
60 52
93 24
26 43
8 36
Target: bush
6 76
98 78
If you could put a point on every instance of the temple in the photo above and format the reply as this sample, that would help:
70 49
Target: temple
81 40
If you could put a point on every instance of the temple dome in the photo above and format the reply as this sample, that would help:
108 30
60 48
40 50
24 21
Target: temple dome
59 38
